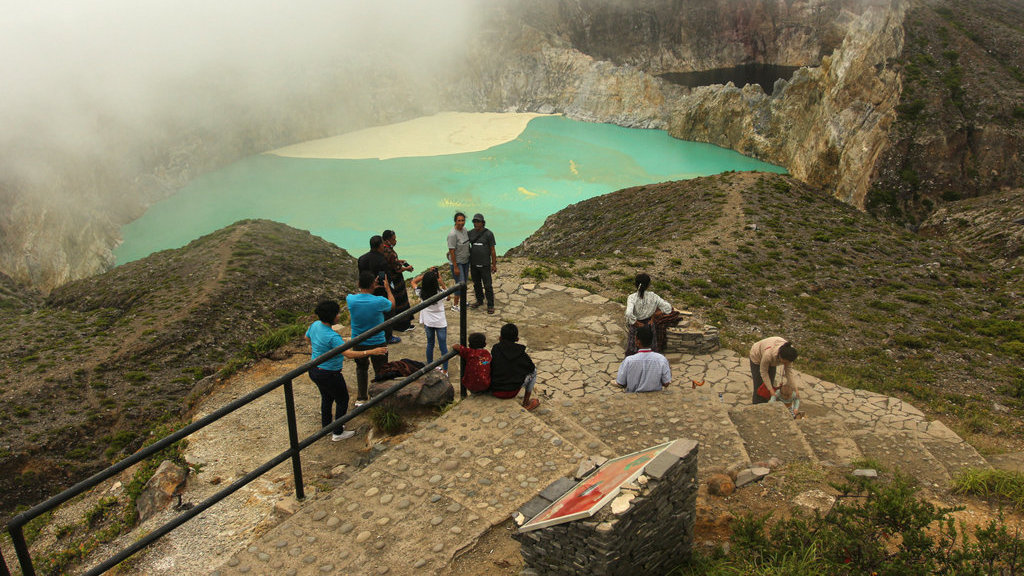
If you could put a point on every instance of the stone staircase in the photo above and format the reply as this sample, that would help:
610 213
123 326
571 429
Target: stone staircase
414 507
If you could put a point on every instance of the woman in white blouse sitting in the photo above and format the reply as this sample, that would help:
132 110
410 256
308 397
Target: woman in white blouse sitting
645 308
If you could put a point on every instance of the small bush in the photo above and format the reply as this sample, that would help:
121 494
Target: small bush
387 419
878 528
536 272
989 483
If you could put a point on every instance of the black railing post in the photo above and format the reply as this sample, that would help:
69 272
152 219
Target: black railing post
3 565
293 440
21 549
463 338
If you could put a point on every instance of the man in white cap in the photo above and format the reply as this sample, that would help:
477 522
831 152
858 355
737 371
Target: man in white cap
482 262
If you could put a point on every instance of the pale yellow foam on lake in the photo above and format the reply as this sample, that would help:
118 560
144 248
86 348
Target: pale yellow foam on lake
437 135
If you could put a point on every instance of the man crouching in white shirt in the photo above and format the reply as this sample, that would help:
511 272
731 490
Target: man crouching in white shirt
644 371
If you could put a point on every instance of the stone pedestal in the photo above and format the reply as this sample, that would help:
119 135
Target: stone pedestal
691 340
647 529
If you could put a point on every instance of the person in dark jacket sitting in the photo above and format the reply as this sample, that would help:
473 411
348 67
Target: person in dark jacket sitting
512 368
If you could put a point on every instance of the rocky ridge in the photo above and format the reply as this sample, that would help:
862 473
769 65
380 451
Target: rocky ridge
991 226
90 371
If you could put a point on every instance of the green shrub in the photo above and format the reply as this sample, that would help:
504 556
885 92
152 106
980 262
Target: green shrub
538 273
991 484
136 377
387 419
878 528
272 340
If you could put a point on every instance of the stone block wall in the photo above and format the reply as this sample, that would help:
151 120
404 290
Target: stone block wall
692 340
647 529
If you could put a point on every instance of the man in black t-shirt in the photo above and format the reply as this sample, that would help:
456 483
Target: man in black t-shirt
482 262
376 262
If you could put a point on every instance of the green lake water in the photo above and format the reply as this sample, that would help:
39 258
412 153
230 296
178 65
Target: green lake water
555 162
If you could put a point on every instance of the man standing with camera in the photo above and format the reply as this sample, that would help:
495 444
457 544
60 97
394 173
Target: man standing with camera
396 267
376 262
366 310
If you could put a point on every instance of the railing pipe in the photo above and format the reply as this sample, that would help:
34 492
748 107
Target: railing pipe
21 549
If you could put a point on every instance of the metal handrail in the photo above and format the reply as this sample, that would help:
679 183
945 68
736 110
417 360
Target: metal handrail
15 525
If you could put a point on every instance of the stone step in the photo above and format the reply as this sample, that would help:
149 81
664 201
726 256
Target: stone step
414 507
640 420
827 436
569 419
949 449
901 450
768 430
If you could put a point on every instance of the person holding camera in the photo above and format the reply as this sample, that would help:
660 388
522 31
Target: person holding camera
396 267
376 262
366 310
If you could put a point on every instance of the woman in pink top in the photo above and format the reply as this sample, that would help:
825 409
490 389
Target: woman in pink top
765 356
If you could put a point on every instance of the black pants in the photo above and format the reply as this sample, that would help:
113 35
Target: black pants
482 283
755 371
333 394
363 369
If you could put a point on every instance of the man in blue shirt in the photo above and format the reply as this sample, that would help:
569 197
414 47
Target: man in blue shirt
365 311
327 375
644 371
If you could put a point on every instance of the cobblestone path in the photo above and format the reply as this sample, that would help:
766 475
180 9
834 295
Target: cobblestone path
414 507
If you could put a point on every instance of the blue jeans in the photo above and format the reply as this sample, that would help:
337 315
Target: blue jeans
442 343
463 273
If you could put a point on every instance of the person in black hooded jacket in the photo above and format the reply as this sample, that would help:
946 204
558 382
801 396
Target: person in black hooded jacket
512 368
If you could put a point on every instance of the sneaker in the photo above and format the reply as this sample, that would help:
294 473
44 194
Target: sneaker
442 371
490 310
359 403
343 436
455 308
409 329
394 340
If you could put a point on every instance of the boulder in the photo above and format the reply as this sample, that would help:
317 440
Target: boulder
432 390
720 485
167 481
751 475
814 501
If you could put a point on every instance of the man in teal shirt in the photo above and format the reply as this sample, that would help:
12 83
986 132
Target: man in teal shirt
365 311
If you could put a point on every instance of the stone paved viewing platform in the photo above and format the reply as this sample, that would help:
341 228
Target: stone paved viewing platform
413 508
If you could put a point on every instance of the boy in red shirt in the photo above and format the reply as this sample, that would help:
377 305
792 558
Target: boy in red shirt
477 377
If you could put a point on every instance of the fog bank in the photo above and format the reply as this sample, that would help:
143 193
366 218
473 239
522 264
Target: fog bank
97 78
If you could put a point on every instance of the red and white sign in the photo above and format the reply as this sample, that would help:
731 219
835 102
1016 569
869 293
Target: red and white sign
595 490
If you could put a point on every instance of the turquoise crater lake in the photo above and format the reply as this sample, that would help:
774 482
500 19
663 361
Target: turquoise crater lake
554 162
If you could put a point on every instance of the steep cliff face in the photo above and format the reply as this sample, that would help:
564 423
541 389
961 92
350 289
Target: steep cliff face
960 128
827 125
665 36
